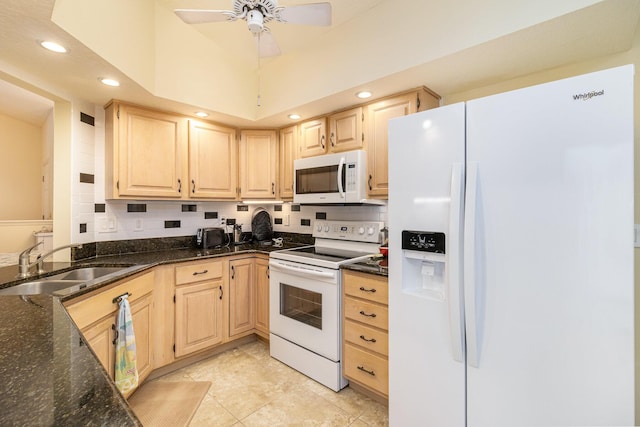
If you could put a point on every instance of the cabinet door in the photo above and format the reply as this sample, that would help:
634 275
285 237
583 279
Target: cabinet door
199 319
143 322
150 152
212 161
100 337
345 130
288 152
378 115
242 296
262 297
258 164
313 138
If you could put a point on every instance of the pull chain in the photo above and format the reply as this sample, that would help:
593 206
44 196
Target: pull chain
259 76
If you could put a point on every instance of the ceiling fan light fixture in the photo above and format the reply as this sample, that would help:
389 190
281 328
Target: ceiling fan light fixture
255 21
364 94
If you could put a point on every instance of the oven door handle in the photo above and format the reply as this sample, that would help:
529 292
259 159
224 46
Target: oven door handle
301 271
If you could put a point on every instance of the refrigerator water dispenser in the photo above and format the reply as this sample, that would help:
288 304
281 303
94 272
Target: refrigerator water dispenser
424 264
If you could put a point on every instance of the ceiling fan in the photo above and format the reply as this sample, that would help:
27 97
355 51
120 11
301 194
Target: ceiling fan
259 12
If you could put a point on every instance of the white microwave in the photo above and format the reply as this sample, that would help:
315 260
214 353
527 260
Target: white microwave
332 178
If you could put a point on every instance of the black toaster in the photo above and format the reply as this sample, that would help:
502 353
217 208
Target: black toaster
211 237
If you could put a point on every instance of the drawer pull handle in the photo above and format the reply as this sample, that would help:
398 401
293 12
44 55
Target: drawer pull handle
117 299
367 314
363 289
220 292
195 273
115 338
233 272
362 337
361 368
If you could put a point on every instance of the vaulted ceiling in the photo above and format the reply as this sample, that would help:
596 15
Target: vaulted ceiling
381 45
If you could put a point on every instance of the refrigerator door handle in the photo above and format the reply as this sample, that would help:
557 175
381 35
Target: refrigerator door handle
470 271
456 319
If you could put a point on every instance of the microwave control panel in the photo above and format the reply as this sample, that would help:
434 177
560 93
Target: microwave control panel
351 177
423 241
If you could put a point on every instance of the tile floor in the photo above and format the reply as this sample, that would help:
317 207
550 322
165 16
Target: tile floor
249 388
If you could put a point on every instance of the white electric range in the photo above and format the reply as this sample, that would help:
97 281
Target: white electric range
305 297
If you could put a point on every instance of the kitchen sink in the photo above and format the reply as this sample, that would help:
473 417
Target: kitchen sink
87 273
67 282
39 287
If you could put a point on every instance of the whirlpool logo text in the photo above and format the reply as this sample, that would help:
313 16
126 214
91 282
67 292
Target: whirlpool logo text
587 96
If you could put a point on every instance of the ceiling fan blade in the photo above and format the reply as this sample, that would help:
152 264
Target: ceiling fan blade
266 44
307 14
200 16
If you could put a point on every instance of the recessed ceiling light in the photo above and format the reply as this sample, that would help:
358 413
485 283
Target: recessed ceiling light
294 116
109 82
53 47
364 94
202 114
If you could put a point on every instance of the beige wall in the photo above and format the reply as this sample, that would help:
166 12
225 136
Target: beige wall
20 169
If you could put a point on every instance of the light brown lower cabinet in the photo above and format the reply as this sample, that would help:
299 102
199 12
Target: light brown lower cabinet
262 297
365 335
178 310
101 334
242 296
200 293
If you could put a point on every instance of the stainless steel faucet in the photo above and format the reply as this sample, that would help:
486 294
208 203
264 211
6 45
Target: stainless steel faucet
24 266
23 261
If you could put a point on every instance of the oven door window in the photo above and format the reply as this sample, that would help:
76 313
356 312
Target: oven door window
301 305
321 180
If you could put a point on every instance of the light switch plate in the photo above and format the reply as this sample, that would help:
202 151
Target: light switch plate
636 235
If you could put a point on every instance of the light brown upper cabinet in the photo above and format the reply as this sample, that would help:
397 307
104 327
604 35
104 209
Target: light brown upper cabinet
288 152
258 164
313 137
213 172
345 130
378 114
144 152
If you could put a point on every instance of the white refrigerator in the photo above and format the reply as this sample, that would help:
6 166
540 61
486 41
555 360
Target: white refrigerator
511 252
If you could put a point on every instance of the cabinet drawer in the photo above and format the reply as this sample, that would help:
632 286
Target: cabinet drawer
100 303
364 336
365 312
368 287
366 368
190 273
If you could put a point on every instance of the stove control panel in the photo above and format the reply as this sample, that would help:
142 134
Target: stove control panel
357 231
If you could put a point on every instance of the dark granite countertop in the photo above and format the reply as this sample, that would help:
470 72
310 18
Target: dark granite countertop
374 266
48 373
